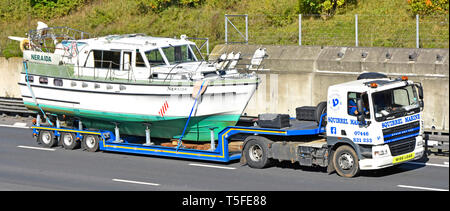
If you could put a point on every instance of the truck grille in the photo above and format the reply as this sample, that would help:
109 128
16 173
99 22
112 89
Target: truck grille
403 146
401 132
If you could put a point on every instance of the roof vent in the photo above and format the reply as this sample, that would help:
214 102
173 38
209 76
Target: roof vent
371 75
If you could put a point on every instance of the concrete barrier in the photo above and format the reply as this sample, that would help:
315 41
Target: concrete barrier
9 77
295 76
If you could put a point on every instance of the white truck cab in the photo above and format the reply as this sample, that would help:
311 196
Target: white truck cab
380 118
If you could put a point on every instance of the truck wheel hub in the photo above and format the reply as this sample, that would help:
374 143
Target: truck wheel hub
68 140
345 161
46 137
255 152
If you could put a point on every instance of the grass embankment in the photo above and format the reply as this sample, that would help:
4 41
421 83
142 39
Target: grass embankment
382 23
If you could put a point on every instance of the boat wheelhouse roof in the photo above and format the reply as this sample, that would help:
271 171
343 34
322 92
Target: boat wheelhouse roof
134 41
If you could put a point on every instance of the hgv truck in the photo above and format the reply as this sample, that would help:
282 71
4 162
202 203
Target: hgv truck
370 123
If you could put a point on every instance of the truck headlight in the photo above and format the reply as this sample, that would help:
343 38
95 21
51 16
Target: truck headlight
380 151
420 143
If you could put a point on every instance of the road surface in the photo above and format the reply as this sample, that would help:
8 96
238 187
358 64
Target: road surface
25 165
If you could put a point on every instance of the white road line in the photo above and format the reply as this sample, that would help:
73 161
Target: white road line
135 182
211 166
20 124
15 126
420 188
430 164
38 148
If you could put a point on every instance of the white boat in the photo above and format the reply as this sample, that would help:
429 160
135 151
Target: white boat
128 80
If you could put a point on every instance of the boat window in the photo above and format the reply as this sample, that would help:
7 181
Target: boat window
43 80
197 53
139 60
178 54
126 61
154 58
30 78
57 82
107 59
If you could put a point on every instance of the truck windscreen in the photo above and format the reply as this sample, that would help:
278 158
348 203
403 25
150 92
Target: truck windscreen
395 102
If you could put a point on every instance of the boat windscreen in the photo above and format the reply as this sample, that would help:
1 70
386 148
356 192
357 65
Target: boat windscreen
178 54
154 57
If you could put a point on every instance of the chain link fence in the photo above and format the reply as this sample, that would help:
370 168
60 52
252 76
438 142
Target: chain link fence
340 30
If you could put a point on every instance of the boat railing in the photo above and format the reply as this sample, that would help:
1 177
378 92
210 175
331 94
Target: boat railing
57 32
40 37
111 71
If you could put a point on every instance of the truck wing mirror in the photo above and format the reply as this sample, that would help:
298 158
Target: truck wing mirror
420 90
362 119
361 114
360 106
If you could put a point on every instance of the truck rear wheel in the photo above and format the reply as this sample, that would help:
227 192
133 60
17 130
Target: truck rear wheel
346 161
90 142
256 153
47 138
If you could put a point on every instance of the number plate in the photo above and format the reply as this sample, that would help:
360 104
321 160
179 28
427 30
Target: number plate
403 158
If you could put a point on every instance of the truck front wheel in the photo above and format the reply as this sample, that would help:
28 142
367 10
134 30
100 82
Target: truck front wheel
256 153
346 161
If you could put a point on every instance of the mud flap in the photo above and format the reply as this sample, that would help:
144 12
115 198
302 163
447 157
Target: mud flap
330 167
243 161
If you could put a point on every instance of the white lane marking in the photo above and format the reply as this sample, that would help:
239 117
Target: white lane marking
430 164
210 166
15 126
20 124
421 188
135 182
38 148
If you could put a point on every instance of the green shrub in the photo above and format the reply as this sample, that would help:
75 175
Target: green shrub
322 7
428 7
160 5
48 9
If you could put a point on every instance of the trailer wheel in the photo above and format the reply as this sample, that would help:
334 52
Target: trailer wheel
68 140
346 161
90 143
47 138
256 153
321 109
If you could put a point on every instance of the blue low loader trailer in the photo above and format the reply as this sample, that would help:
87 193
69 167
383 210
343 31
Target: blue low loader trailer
371 123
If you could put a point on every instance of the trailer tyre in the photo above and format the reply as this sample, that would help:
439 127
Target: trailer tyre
47 138
321 109
346 161
68 140
91 143
256 153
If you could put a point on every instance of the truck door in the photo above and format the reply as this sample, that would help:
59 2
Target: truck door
357 131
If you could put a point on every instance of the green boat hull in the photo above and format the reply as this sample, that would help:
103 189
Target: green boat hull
198 128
